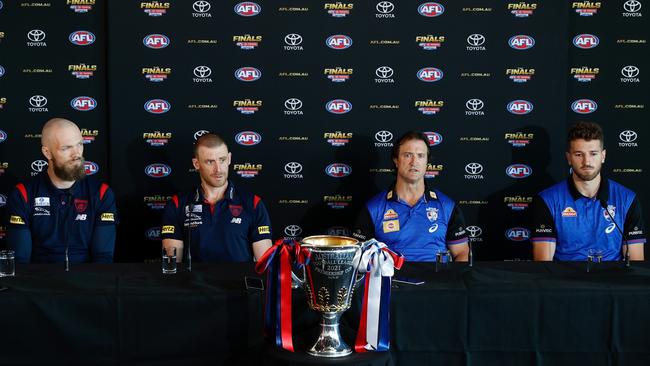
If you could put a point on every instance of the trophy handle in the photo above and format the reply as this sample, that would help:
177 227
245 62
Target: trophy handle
296 282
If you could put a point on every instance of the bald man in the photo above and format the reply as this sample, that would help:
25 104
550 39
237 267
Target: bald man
62 215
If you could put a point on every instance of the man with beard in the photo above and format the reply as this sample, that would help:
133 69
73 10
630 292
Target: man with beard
578 214
223 222
61 215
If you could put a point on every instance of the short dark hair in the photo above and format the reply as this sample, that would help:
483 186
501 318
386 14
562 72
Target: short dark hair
408 136
585 131
209 140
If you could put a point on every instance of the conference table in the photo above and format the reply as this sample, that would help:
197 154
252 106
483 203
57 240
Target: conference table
495 313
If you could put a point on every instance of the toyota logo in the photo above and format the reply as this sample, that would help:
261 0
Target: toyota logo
473 168
474 231
200 133
474 104
36 35
293 104
383 136
475 39
385 7
293 167
384 72
632 6
202 71
201 6
293 39
38 165
630 71
292 230
38 101
628 136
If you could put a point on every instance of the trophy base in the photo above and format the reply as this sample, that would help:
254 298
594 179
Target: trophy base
330 343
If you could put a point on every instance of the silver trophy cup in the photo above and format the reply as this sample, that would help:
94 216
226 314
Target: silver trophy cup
329 281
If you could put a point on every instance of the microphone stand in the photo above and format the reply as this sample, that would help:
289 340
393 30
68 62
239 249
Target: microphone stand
603 204
189 230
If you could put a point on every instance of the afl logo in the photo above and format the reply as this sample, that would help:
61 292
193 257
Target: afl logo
517 234
3 136
157 106
153 233
585 41
338 170
82 38
248 9
520 107
338 42
83 104
248 138
338 106
430 74
157 170
91 167
519 171
584 106
431 10
521 42
248 74
156 41
434 138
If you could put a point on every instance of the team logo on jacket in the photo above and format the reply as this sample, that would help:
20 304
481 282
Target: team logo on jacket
41 201
248 138
338 106
432 214
338 42
81 38
248 9
433 137
248 74
390 214
156 41
520 107
157 106
521 42
519 171
431 9
83 103
80 205
235 210
584 106
430 74
569 212
585 41
338 170
157 170
518 234
610 212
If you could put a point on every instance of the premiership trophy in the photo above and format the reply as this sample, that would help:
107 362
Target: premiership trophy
329 281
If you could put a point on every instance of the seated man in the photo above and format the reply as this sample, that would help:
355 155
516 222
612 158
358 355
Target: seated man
223 223
62 213
410 217
581 212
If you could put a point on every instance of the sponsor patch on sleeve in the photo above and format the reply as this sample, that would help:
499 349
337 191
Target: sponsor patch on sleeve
263 230
168 229
391 226
107 216
16 220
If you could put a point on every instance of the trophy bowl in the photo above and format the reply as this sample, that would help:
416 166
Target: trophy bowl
328 281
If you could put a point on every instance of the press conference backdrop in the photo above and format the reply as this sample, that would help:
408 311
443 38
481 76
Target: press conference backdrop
312 95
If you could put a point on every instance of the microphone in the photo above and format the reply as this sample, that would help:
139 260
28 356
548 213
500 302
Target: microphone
189 230
68 200
603 204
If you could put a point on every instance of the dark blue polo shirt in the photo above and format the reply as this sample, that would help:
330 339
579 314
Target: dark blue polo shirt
417 231
44 219
220 233
577 223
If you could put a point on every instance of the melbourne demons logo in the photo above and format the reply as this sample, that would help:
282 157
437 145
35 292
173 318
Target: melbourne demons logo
521 42
91 167
431 10
338 106
584 106
520 107
82 38
518 234
248 9
83 103
430 74
433 137
338 170
248 138
156 41
585 41
157 106
157 170
248 74
519 171
338 42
